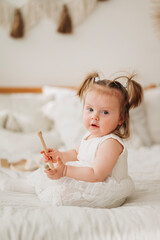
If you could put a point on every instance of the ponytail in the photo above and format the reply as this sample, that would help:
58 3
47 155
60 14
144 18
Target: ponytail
86 83
135 92
132 98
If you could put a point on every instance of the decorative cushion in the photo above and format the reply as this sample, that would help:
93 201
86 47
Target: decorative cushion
152 107
138 124
12 124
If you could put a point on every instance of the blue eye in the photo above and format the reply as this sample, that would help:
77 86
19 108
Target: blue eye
90 109
105 112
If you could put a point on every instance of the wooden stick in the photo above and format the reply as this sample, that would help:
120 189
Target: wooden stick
45 148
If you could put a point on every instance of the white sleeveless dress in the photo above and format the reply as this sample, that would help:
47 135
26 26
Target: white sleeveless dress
67 191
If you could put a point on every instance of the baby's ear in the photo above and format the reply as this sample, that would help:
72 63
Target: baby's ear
121 120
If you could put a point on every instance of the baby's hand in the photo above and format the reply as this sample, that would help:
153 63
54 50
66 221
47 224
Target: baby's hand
51 155
59 170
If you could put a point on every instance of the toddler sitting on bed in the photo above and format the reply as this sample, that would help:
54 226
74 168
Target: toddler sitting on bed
96 173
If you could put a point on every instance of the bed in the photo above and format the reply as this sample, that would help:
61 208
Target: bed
23 216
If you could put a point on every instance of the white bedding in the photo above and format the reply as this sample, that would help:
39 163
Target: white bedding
23 216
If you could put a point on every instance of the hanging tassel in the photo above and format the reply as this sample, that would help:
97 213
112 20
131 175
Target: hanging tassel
17 30
65 23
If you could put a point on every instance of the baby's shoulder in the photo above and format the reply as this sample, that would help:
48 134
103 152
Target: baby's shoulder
112 142
111 136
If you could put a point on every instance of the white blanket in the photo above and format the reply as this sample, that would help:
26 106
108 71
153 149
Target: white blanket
23 216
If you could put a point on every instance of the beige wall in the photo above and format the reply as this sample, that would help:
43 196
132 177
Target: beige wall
118 35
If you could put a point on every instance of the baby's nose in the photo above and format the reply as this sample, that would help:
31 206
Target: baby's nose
95 116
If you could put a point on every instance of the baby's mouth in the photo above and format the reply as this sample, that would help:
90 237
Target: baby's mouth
94 125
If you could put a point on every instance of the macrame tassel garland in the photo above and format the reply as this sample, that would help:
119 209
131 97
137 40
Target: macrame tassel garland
67 14
17 30
65 23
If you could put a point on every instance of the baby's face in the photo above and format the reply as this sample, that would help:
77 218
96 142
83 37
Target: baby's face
101 113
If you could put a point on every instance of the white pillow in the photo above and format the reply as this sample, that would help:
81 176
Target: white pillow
25 103
16 143
134 141
35 123
138 124
28 103
152 106
66 111
24 112
3 118
57 92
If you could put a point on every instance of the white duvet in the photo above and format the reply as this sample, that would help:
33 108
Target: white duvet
23 216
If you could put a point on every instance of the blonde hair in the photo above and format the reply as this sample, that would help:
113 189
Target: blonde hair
132 96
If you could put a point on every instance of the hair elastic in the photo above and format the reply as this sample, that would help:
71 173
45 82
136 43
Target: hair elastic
125 85
97 79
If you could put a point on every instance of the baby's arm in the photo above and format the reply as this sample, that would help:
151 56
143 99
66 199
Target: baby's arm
106 157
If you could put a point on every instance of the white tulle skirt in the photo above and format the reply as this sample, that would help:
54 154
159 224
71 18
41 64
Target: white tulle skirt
70 192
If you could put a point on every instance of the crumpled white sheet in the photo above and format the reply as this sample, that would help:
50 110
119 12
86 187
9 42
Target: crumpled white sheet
23 216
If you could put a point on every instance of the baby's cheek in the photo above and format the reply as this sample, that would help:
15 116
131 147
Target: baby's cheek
85 120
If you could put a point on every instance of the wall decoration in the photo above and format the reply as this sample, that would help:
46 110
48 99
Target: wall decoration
17 30
65 24
65 13
156 15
